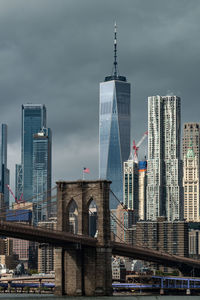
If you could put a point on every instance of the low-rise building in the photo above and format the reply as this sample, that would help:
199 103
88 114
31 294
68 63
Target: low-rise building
118 269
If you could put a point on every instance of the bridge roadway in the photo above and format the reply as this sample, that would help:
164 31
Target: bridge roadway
32 278
64 239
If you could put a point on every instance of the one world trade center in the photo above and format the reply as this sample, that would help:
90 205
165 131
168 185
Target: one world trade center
114 129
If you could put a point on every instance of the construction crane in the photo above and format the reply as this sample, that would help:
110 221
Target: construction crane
16 200
136 147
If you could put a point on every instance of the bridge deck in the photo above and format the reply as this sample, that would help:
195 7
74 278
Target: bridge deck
65 239
41 235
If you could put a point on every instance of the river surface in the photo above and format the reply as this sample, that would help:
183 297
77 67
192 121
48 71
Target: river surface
52 297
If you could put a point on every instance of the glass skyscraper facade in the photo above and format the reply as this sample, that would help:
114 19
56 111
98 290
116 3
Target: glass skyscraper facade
42 174
18 181
4 172
114 130
33 120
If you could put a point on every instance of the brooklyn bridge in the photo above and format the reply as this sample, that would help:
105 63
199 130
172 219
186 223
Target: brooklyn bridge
82 262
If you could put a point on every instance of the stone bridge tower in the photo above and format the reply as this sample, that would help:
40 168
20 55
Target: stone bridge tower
83 270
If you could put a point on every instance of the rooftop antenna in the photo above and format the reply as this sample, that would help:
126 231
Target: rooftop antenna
115 50
115 70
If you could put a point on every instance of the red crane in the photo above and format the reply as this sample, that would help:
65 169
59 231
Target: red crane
16 200
136 147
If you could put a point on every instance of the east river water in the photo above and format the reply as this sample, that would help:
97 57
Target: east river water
131 297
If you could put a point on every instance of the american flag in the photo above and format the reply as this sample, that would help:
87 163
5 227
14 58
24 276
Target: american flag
86 170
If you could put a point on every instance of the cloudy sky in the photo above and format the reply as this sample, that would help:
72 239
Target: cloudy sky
57 51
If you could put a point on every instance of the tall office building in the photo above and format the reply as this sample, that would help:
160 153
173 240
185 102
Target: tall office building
4 172
191 134
164 183
114 128
142 186
135 183
18 181
33 120
42 174
191 186
191 172
131 184
130 190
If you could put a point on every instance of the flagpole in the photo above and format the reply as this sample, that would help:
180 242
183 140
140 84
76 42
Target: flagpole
83 175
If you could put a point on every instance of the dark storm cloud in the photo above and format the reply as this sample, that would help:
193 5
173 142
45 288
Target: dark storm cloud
57 52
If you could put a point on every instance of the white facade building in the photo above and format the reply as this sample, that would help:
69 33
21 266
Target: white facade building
164 187
191 186
130 183
191 134
134 187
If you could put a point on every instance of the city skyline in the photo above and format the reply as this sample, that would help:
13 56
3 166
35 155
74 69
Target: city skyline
69 139
150 55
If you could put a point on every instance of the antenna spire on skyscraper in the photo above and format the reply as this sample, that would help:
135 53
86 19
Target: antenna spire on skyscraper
115 50
115 70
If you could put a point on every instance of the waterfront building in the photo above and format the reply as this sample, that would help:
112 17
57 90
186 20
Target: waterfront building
6 253
114 129
42 174
161 235
46 253
33 120
118 269
164 174
191 186
26 250
194 243
194 239
10 261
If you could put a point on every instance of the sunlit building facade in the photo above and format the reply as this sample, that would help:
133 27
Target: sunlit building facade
191 134
191 186
164 183
191 172
142 185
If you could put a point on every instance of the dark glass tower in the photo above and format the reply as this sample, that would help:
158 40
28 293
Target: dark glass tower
114 128
33 120
42 174
18 181
4 172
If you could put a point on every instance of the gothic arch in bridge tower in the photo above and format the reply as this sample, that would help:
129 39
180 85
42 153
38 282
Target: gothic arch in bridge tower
72 217
93 218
